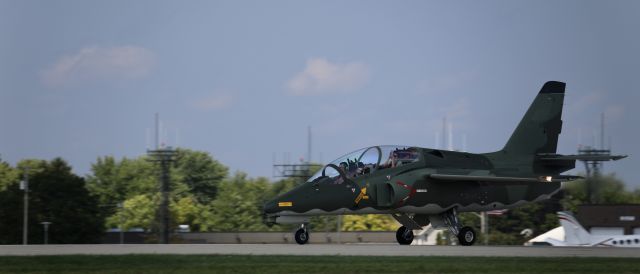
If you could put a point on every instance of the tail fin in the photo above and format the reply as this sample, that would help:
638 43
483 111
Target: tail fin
574 233
539 128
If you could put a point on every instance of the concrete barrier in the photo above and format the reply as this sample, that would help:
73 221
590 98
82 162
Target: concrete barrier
255 237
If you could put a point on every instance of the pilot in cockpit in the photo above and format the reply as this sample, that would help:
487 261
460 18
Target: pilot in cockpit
391 162
352 170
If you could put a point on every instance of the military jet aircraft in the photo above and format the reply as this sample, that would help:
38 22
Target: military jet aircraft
418 186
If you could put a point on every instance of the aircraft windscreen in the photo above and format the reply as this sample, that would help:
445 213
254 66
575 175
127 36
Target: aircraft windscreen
368 160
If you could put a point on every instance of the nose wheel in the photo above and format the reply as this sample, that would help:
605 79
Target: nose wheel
302 235
404 235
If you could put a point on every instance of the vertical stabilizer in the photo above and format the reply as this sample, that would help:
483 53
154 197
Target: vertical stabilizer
574 233
538 130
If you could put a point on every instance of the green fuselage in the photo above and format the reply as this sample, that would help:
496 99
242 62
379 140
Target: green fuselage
407 188
395 179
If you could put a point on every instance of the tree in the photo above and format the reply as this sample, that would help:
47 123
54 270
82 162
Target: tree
188 210
539 216
369 222
136 212
56 195
200 173
607 189
114 182
195 177
8 175
238 206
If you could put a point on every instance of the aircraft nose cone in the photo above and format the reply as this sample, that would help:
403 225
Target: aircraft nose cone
270 207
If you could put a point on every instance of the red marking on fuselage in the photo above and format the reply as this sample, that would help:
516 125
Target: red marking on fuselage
412 191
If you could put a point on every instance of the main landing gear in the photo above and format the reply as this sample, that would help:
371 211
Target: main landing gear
466 235
302 235
449 219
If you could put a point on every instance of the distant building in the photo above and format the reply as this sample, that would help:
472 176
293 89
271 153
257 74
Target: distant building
610 219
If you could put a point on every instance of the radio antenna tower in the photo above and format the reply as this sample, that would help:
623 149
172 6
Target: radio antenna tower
301 170
593 159
164 156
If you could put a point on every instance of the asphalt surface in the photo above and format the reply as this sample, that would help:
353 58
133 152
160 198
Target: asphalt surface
320 249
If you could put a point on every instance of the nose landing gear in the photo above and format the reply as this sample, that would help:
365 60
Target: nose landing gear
404 235
302 235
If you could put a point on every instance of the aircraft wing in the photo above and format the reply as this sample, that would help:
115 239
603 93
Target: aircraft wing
499 180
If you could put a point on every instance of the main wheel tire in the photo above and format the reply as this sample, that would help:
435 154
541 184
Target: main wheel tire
302 236
467 236
404 236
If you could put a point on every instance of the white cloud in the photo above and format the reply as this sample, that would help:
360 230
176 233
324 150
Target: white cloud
99 63
445 82
614 112
321 77
460 109
585 102
216 101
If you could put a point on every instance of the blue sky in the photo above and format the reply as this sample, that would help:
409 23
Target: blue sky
243 79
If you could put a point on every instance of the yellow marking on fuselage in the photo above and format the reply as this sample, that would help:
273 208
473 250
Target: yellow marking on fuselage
285 204
362 195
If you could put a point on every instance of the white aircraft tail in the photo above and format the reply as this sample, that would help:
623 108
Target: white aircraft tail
574 233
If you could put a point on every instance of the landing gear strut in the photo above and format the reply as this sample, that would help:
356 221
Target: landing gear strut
404 235
302 235
466 235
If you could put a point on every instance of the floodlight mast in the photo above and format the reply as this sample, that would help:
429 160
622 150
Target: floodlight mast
165 157
25 221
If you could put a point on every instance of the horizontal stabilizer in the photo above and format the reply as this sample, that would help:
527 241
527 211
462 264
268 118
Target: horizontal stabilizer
564 178
586 157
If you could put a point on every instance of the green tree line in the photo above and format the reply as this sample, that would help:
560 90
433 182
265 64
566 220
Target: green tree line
124 194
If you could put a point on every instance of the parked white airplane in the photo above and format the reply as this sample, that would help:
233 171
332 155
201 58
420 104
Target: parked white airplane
576 235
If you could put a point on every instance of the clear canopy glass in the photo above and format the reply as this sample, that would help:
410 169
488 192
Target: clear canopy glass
369 160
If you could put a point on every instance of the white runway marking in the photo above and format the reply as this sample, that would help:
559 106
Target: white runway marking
320 249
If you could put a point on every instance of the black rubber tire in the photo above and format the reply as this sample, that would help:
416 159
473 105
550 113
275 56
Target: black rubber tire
467 236
302 236
404 236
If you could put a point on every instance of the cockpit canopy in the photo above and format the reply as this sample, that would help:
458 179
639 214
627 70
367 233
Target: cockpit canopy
369 160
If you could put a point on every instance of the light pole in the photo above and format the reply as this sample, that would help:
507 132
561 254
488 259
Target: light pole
46 231
484 226
24 185
121 206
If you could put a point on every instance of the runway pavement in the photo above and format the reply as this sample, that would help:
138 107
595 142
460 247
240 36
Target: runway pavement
320 250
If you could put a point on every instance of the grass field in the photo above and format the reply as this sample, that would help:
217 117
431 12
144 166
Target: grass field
310 264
